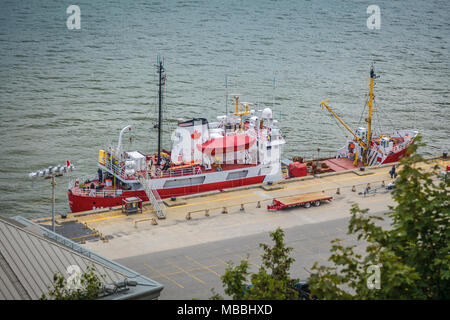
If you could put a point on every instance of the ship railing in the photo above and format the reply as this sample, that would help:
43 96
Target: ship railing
314 155
179 172
118 171
72 182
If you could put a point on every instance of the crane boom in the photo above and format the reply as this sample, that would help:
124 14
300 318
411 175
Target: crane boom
370 104
323 104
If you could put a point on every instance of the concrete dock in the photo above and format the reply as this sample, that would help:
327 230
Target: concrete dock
203 218
188 256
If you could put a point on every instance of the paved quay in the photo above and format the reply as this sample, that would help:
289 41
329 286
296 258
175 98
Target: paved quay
127 238
188 256
191 272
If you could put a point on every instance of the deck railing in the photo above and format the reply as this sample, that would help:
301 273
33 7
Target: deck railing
119 171
81 180
179 172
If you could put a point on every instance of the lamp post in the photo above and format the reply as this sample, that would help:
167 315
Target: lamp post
52 173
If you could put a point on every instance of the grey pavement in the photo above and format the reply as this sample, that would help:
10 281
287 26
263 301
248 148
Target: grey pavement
191 272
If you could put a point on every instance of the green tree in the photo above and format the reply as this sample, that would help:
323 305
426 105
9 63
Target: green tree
413 254
89 287
272 281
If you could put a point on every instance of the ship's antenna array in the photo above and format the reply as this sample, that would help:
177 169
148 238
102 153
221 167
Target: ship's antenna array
161 83
273 93
226 98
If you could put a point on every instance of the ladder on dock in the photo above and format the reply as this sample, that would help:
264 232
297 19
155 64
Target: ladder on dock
153 197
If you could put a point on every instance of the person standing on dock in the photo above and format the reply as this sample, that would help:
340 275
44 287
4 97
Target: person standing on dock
392 172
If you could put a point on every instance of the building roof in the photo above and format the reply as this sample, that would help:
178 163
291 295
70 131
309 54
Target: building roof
30 255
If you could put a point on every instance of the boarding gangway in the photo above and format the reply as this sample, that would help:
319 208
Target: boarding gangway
153 196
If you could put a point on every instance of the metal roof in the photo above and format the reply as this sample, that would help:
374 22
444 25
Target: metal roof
30 255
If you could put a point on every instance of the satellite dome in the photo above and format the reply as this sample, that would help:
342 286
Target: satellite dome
267 113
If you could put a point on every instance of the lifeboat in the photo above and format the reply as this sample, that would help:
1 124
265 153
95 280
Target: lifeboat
226 144
184 165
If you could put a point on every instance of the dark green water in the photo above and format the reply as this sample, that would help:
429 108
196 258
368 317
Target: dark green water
65 93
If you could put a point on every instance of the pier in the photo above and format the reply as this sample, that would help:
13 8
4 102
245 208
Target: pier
189 250
208 215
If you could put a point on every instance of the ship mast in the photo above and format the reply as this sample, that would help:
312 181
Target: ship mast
369 103
369 117
161 77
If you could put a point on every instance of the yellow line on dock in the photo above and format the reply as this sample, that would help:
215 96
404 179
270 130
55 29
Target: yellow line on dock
202 266
164 275
105 218
208 201
223 261
185 271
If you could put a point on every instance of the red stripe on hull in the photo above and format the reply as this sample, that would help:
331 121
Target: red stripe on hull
79 203
395 156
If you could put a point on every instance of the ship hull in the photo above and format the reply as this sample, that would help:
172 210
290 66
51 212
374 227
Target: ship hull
395 157
80 203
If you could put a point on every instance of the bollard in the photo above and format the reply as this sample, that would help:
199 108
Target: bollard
85 225
258 204
224 211
338 191
207 213
353 189
242 207
188 216
82 241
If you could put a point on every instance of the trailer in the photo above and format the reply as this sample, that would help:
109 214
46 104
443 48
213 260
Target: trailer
304 200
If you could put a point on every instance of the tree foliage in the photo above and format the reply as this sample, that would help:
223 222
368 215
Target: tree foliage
413 254
88 288
271 282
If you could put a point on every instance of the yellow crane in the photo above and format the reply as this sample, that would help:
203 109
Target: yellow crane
369 103
241 110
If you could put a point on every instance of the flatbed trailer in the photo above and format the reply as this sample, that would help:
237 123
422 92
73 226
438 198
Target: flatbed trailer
305 200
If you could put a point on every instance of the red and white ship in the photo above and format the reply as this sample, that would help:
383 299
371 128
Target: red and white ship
239 149
366 149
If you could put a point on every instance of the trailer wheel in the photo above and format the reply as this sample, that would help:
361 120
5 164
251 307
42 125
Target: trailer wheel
317 203
307 204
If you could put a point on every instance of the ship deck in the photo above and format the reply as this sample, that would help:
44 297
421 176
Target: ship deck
340 164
